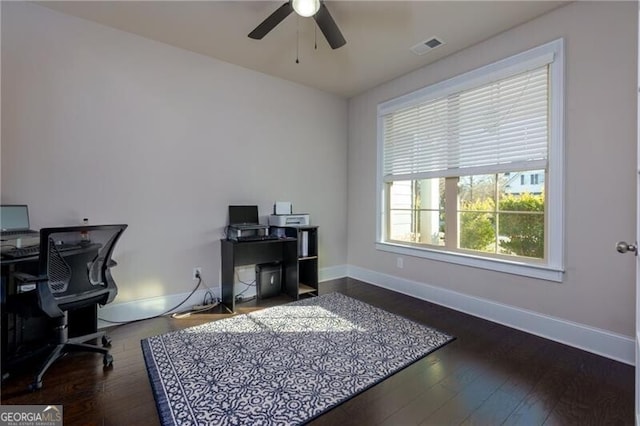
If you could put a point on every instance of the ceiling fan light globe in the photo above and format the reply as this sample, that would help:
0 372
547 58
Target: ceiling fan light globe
306 8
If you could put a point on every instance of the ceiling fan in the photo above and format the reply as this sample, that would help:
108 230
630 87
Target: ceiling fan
305 8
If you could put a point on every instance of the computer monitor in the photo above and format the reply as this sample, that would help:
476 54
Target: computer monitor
14 217
239 215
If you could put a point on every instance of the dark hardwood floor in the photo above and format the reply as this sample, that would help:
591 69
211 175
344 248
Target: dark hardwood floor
489 375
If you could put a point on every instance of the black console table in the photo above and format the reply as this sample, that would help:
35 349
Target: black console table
234 253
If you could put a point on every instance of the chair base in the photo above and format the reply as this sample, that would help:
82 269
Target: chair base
74 344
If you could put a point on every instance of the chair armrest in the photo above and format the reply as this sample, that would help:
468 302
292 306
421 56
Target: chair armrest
28 278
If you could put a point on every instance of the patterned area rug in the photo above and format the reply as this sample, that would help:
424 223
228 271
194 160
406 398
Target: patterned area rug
283 365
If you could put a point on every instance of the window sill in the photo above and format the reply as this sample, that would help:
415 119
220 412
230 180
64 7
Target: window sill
543 272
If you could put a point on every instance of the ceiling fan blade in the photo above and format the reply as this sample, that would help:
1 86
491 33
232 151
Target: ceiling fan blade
270 23
329 28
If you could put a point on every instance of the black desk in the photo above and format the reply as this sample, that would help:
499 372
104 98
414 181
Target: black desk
20 333
234 253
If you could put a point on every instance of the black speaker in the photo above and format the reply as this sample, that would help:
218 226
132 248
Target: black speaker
268 280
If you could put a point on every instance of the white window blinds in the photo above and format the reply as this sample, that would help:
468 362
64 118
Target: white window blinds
496 127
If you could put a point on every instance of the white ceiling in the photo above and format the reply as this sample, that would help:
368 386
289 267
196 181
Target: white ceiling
378 33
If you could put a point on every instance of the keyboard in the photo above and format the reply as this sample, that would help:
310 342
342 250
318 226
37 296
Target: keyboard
258 238
18 253
21 232
21 252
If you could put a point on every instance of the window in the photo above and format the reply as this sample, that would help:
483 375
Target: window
470 169
534 179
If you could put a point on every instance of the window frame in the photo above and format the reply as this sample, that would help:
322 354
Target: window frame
552 269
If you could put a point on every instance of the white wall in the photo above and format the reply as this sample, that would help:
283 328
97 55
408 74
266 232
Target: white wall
598 288
107 125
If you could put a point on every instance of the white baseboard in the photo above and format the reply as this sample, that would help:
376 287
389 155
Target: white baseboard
601 342
332 273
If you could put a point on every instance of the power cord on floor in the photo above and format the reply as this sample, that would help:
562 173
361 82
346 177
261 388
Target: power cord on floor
248 286
176 315
208 298
204 308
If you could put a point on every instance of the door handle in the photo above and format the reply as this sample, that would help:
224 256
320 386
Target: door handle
624 247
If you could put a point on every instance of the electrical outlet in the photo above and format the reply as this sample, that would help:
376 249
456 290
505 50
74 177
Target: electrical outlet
400 262
197 272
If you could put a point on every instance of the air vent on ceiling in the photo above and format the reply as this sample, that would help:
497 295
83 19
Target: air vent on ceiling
427 45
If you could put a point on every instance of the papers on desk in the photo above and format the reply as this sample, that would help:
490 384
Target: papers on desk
304 243
282 207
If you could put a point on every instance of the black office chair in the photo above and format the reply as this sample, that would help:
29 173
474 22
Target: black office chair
73 273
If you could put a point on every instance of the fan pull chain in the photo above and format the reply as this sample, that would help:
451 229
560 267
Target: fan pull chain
297 39
315 37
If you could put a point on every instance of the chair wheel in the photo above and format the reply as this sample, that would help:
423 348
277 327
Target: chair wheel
107 361
35 386
106 341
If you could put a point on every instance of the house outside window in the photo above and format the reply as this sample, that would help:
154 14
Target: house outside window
470 169
517 183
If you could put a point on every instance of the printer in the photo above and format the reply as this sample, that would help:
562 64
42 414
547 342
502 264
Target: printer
283 215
